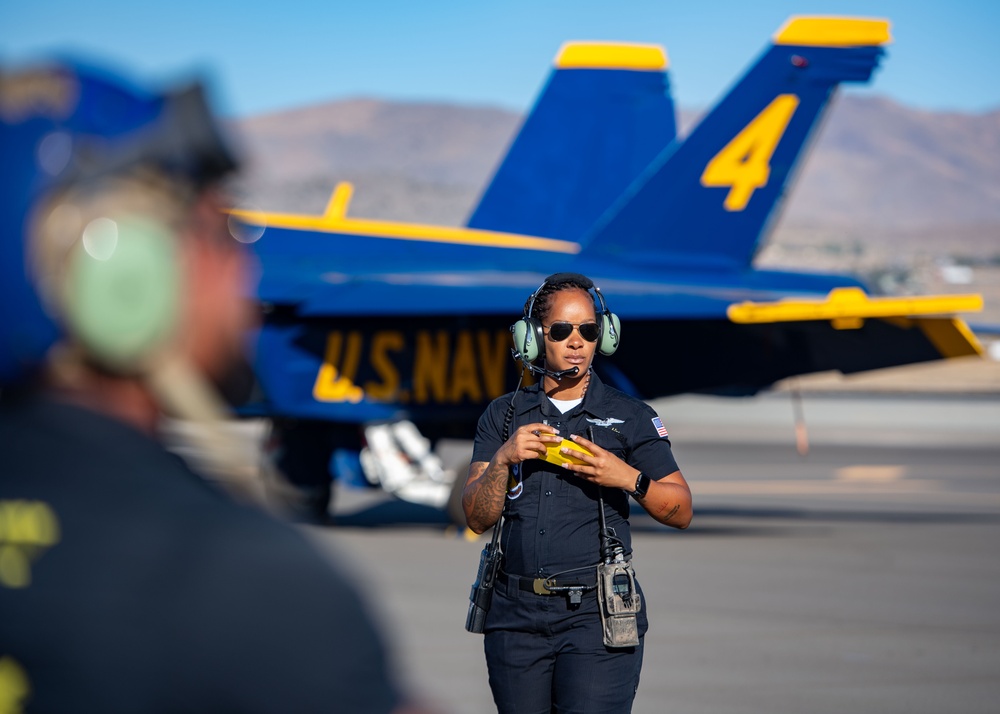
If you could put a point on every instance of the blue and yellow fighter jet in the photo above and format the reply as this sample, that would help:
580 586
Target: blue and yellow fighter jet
373 327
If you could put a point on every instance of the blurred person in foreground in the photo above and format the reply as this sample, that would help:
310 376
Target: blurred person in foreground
127 582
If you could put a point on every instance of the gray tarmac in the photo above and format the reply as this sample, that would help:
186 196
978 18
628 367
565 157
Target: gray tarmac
862 576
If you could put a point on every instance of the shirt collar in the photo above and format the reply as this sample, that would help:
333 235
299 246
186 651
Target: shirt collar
532 396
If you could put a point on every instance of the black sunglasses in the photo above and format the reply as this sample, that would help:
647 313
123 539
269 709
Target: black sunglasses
559 331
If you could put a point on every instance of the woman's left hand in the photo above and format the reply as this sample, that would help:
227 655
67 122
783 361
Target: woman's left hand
602 467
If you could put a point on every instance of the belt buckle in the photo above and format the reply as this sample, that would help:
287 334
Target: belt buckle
539 586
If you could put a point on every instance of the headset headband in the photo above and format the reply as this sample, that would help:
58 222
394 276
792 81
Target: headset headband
561 279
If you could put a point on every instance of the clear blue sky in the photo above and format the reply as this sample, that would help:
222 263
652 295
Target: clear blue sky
263 57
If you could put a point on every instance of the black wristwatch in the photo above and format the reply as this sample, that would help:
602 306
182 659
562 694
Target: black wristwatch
641 485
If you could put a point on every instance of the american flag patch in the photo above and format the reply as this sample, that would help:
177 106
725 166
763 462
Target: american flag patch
660 429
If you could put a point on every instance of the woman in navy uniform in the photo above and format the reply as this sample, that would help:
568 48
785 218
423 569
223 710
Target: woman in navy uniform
544 638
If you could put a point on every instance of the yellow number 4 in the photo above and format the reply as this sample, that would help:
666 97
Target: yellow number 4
744 163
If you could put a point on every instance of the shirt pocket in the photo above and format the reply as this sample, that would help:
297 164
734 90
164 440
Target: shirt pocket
581 496
576 495
612 441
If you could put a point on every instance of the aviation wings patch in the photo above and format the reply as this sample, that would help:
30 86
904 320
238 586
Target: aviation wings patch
610 421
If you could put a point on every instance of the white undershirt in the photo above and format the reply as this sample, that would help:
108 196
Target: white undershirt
564 405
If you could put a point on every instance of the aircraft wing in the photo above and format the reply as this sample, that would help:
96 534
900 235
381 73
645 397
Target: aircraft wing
436 344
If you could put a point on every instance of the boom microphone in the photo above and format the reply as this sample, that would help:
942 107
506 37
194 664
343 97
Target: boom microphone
534 369
555 375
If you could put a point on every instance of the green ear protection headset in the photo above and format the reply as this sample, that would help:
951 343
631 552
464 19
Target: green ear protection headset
110 262
529 340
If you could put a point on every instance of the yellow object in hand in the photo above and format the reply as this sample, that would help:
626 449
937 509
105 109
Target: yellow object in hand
553 455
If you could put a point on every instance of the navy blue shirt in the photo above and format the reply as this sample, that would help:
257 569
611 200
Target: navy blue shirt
552 523
134 586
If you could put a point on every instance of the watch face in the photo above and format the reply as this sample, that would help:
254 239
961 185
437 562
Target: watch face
641 486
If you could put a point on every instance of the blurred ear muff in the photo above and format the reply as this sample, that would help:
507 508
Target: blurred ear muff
121 299
114 277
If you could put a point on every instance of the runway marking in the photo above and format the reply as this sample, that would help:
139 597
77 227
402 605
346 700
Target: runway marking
863 472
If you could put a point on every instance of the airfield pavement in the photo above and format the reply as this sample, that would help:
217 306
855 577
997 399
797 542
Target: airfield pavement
863 576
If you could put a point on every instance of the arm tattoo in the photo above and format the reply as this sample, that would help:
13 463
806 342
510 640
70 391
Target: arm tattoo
673 512
483 498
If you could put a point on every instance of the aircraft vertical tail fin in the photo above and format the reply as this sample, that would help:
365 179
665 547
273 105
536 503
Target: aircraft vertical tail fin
603 116
710 200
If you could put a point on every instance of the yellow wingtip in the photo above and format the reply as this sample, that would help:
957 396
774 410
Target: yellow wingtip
851 304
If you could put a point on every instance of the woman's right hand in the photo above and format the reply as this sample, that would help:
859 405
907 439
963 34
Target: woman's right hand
486 485
527 442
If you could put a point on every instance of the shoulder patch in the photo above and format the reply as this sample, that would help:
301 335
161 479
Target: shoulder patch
515 485
660 429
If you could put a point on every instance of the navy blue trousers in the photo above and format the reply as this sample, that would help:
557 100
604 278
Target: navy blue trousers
544 657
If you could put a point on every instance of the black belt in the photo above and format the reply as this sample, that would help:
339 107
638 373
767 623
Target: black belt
551 586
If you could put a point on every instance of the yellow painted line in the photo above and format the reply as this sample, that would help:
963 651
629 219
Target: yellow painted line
802 487
833 32
914 489
335 220
404 231
851 306
611 55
